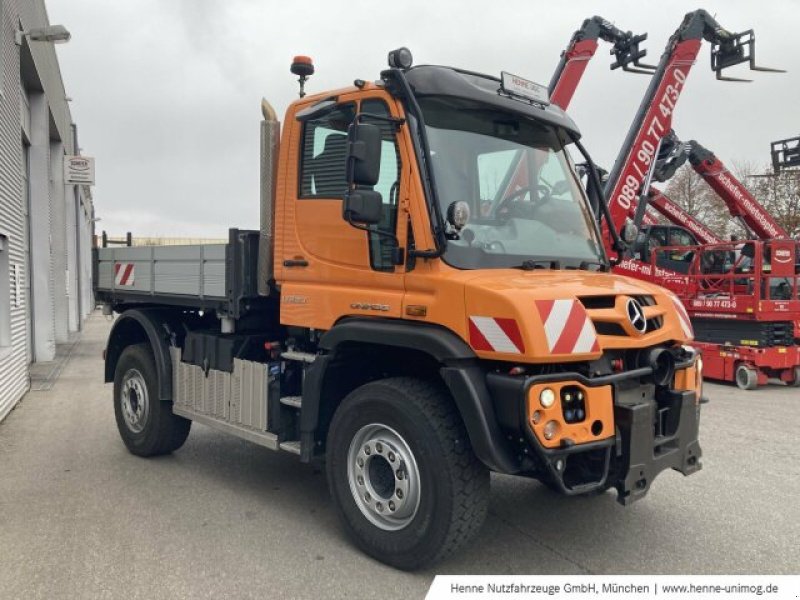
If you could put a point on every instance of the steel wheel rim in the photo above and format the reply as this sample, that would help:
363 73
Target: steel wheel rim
383 477
135 402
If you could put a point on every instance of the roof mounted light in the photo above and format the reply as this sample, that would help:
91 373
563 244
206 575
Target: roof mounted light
303 67
401 58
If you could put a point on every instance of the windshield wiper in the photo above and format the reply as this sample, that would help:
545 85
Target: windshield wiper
585 264
531 264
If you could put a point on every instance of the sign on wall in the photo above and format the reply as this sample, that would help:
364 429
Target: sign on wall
79 170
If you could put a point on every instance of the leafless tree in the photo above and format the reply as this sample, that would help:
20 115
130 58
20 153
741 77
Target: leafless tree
692 193
778 194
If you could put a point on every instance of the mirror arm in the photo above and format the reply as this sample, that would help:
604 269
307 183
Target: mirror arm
388 234
617 244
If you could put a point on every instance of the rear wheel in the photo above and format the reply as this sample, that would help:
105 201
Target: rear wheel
146 424
746 377
402 473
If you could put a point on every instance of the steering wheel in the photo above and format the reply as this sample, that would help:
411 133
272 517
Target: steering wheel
504 205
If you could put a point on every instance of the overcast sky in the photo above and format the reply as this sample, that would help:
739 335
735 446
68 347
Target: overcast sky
166 92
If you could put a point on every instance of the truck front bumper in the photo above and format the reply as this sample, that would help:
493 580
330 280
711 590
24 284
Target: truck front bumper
654 428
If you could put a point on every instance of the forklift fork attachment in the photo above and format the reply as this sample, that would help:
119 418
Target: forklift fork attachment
733 49
628 55
785 154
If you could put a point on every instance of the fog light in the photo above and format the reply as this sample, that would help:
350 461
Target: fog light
537 416
550 429
573 405
547 397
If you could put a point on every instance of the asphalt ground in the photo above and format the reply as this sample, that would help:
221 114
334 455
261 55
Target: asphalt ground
81 517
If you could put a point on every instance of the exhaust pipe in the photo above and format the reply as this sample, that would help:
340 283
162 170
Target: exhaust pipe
270 145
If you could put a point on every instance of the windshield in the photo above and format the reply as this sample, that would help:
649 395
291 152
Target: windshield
517 183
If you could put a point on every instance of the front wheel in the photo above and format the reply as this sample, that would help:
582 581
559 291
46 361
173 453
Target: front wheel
746 377
402 473
146 424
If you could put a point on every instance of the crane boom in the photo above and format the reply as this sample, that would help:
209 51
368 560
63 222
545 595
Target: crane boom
740 202
582 48
653 120
677 215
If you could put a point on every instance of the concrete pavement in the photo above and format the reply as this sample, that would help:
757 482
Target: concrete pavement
81 517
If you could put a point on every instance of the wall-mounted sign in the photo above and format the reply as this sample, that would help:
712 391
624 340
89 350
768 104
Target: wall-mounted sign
79 170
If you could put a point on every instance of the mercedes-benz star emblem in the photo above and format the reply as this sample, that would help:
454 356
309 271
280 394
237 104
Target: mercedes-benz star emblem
636 315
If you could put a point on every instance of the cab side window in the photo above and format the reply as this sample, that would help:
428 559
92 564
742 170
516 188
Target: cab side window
324 154
381 247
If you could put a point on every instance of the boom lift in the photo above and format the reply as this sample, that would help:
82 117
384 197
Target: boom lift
741 204
582 48
762 300
758 300
676 214
399 319
653 120
628 55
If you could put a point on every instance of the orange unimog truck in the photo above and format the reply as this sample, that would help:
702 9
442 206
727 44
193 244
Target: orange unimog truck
401 319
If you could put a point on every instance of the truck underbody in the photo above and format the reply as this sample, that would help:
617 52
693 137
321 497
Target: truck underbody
269 383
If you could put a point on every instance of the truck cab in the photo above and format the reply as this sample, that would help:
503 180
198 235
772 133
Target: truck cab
409 323
678 242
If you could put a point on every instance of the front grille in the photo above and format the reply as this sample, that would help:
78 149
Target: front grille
612 328
606 328
595 302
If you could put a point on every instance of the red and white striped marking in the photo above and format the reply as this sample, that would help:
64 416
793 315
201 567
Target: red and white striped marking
495 335
123 274
683 317
567 327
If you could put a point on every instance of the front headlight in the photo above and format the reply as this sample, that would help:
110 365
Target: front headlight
547 397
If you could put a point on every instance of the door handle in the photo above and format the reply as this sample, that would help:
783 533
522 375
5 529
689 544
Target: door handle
295 262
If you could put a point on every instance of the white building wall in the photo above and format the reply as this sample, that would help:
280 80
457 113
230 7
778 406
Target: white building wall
13 358
45 221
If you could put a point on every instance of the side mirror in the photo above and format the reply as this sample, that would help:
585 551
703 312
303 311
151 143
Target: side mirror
363 154
362 206
361 203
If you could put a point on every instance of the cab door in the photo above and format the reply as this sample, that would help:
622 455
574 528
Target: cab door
329 269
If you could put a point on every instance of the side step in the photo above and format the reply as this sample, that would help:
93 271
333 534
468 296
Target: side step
293 401
293 447
262 438
305 357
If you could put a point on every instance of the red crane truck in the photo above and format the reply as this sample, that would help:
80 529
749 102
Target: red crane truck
743 315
